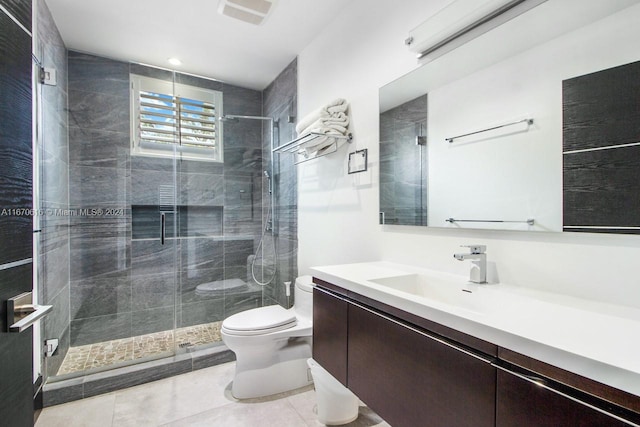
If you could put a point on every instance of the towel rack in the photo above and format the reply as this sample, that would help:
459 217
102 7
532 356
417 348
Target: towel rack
528 121
529 221
294 146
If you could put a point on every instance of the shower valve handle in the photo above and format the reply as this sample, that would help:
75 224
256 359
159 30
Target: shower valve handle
162 227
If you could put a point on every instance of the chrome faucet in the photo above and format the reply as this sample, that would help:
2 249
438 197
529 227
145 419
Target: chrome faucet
476 253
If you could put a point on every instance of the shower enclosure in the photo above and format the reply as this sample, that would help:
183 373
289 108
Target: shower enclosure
164 238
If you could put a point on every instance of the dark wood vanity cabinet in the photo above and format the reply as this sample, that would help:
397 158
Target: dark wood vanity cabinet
330 333
407 376
416 373
522 403
412 379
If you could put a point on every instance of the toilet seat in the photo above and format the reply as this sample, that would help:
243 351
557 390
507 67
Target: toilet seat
259 321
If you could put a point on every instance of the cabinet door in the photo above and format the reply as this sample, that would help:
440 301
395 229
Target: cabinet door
330 333
411 379
521 403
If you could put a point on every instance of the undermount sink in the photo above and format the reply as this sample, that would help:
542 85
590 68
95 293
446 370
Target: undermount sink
454 293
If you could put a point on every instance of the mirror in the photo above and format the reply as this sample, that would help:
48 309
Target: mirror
474 138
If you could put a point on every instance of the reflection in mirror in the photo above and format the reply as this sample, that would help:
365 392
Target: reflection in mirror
508 176
601 151
403 163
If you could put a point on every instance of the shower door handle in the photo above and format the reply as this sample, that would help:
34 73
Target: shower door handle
163 222
22 313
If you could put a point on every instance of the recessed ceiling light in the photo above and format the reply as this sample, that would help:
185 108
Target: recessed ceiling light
174 61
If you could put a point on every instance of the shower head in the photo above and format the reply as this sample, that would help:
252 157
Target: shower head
236 117
225 119
266 174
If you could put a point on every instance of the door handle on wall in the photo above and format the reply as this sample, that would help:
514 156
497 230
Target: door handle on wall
22 312
163 222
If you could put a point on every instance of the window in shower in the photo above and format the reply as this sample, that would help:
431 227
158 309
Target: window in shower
167 115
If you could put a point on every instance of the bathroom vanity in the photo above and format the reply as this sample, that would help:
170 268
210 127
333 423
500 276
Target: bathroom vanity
427 349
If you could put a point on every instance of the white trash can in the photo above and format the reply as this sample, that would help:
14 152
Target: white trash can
336 404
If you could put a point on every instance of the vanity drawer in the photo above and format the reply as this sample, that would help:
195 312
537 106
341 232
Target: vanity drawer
571 394
522 401
412 378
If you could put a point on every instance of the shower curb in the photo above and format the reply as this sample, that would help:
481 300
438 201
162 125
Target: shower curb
64 391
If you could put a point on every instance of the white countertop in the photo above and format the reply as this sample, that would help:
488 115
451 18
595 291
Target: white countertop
598 341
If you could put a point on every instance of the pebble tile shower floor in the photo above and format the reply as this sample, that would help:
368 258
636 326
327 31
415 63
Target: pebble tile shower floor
115 352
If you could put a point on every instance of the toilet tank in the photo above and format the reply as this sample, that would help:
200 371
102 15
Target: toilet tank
303 294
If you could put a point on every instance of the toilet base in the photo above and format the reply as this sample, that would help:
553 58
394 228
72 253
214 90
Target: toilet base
267 373
337 405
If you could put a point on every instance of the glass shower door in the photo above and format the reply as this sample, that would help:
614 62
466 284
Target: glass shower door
109 248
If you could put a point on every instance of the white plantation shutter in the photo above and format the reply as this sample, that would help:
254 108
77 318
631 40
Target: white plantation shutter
179 117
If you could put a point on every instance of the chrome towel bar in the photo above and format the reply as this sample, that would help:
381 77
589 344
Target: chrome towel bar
528 121
529 221
297 144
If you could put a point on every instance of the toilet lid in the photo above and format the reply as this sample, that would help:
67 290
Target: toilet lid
260 320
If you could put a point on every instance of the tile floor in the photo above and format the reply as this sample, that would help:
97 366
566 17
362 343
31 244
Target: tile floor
200 398
117 352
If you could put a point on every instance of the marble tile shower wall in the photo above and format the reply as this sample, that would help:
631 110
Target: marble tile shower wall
53 268
280 100
123 282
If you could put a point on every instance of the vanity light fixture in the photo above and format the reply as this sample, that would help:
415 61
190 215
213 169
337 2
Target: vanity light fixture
460 22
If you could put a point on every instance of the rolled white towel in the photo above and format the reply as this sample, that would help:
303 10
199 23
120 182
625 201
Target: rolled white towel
328 129
340 108
317 143
336 102
324 147
338 105
312 146
322 125
338 119
327 146
310 118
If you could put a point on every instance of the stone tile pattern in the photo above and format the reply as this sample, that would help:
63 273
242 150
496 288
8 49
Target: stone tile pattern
53 143
200 398
122 281
122 351
15 137
280 100
403 163
16 230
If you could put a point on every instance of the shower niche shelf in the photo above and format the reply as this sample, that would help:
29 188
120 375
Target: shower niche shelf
304 147
195 221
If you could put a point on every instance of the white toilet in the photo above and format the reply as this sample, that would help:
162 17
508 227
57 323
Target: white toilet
272 345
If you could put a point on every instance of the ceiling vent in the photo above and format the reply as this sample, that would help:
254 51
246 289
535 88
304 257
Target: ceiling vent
250 11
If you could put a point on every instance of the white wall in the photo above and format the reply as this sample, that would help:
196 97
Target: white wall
338 222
